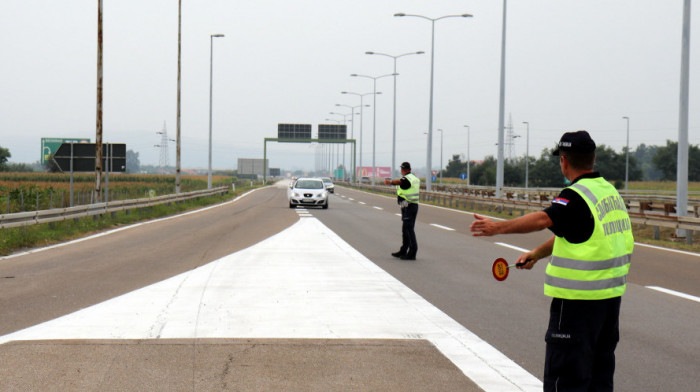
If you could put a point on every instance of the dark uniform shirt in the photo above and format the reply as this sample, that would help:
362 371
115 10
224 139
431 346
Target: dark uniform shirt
571 217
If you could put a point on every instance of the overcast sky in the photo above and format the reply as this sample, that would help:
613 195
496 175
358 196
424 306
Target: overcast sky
570 65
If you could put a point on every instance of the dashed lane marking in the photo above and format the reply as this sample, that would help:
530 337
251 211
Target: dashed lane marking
442 227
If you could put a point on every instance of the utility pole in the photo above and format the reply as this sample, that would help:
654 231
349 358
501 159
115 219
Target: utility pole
97 194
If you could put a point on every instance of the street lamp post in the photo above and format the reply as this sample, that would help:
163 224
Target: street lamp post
361 119
352 126
441 144
527 151
345 122
428 179
374 119
627 155
469 178
211 78
393 140
329 147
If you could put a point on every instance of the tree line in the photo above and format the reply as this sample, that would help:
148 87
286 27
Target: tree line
646 163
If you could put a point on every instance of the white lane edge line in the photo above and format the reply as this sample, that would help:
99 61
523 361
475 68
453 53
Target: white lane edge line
397 214
378 208
362 202
511 246
668 249
442 227
676 293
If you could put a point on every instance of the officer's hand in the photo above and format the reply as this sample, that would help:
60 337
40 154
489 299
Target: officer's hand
527 260
482 226
387 181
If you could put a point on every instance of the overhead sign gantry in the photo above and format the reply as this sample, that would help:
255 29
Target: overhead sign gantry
301 133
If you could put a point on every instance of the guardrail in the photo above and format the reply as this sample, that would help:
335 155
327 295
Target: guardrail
19 219
650 210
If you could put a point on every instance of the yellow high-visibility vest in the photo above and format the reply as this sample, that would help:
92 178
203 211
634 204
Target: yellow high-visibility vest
598 267
411 194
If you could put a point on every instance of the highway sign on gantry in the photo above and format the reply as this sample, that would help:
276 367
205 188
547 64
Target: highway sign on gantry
294 131
332 132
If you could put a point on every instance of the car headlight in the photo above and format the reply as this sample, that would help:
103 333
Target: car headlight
323 194
296 194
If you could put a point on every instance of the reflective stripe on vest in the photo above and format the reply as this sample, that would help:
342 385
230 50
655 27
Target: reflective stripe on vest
411 194
598 267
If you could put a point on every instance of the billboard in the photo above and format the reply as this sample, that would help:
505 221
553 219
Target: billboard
381 171
83 157
49 145
251 166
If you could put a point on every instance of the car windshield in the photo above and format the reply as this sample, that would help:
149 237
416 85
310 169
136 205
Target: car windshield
327 180
309 184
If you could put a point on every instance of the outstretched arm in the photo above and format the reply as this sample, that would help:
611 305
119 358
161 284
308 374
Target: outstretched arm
533 221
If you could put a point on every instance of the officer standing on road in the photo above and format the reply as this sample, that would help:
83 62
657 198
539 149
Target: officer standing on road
591 251
407 191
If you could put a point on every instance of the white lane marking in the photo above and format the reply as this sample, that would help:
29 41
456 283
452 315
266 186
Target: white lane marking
397 214
664 290
676 293
668 249
284 287
362 202
126 227
442 227
351 199
378 208
512 247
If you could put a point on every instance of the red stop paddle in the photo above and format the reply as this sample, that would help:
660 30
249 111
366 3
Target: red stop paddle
500 268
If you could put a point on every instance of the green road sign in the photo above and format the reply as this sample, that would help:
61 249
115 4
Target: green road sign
49 145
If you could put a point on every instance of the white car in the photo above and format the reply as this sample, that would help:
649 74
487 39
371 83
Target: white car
308 192
329 184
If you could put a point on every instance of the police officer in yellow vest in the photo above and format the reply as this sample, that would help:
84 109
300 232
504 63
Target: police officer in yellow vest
587 274
407 191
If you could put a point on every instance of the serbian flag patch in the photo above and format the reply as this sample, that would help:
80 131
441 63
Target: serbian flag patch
560 200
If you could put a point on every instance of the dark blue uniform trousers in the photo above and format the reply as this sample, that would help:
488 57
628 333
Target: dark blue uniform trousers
409 244
581 341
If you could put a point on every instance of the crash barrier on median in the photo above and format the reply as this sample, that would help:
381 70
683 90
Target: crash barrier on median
27 218
650 210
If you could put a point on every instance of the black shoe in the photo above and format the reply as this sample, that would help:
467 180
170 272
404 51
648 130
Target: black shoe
398 254
408 257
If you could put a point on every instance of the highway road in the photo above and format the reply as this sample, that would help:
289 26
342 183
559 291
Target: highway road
660 330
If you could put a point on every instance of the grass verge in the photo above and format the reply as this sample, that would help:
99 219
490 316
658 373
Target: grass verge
19 238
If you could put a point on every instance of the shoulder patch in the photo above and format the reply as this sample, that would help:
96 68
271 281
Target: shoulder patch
560 200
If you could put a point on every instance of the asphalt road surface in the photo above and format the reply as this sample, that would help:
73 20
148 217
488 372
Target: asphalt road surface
660 319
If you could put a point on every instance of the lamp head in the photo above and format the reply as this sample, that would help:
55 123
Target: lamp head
217 35
400 14
369 52
466 15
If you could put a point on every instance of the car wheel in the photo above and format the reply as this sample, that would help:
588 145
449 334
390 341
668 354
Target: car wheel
291 205
325 206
